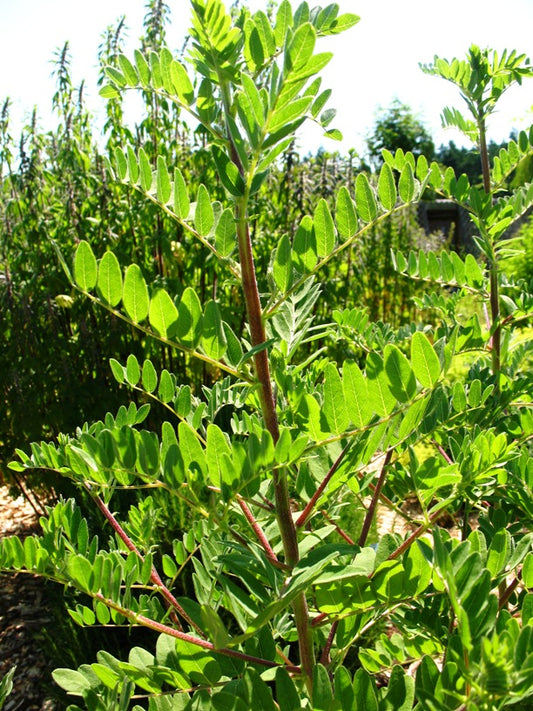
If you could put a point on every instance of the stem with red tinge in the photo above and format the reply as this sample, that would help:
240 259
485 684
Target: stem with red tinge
154 575
268 406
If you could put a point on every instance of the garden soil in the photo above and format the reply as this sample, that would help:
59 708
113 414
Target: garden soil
23 615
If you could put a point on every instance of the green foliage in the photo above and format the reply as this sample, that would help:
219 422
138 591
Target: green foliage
517 253
482 78
271 596
6 686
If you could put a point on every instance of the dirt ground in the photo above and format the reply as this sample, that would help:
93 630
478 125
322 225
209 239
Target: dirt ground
23 614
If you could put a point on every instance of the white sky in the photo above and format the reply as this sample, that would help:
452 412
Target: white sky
374 62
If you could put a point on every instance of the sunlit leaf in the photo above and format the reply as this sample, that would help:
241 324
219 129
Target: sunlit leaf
304 248
356 394
182 83
204 218
145 170
283 22
163 181
181 196
217 446
324 229
135 294
149 376
282 266
109 285
387 187
85 267
128 70
301 47
345 214
424 360
226 233
133 371
406 183
163 314
365 200
335 410
379 391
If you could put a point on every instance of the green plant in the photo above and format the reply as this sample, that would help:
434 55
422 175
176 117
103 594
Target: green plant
284 608
6 686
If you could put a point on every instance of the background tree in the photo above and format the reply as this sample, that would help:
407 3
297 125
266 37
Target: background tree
398 127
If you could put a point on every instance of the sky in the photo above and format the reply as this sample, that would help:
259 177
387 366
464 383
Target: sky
374 63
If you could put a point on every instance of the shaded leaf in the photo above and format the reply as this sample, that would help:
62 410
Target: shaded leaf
402 381
213 337
163 181
282 267
189 323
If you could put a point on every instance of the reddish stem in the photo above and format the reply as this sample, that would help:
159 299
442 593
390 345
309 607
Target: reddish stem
318 493
325 657
257 529
154 575
416 534
172 632
319 619
375 498
339 530
507 592
443 453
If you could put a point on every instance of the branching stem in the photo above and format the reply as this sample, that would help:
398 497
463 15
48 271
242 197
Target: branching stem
302 519
263 540
374 501
154 575
205 644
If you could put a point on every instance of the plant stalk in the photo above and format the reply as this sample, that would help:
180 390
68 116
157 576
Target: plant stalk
494 286
375 498
137 618
302 519
281 491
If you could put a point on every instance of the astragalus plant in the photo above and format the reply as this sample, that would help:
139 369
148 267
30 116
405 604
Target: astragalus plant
291 604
